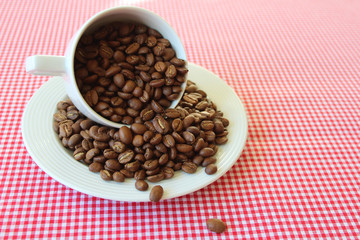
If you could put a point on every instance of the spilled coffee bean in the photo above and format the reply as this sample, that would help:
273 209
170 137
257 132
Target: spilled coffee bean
154 147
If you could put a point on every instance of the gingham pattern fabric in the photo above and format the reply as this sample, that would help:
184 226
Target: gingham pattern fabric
294 64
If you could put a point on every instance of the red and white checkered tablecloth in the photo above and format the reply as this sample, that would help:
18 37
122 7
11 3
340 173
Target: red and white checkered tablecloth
295 64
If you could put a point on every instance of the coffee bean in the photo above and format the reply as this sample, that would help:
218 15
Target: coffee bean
156 178
132 166
161 125
177 137
125 135
156 193
79 154
126 156
207 161
106 52
184 148
189 167
156 107
96 167
177 125
105 175
168 172
132 48
169 141
118 177
65 129
138 140
189 137
221 140
206 152
151 164
74 140
141 185
127 173
211 169
113 165
140 174
216 225
99 133
170 71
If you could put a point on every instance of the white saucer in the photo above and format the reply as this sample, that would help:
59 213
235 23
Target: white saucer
46 150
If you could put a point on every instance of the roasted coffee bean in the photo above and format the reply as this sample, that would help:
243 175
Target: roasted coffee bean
161 148
183 148
106 52
110 153
148 154
87 144
138 141
156 139
65 129
100 159
161 125
156 193
125 135
211 169
151 164
96 167
132 166
177 125
113 165
79 154
198 160
168 172
189 167
216 225
207 125
118 147
178 138
62 105
92 153
86 124
127 173
210 136
156 177
106 175
189 137
74 140
99 133
206 152
118 177
168 141
199 144
138 128
156 107
207 161
141 185
140 174
126 156
221 140
100 145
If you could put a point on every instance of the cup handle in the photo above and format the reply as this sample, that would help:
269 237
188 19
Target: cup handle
45 65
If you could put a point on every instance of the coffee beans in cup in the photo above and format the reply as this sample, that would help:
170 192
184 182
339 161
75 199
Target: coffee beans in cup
127 71
150 149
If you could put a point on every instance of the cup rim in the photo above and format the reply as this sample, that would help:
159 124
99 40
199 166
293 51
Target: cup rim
75 40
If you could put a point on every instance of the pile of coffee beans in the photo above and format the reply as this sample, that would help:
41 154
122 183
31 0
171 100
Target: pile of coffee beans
150 149
123 68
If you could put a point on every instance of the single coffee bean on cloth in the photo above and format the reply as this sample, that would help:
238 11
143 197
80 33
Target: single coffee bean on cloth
123 68
150 149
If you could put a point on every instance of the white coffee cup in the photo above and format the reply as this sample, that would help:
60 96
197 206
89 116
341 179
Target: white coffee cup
64 65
